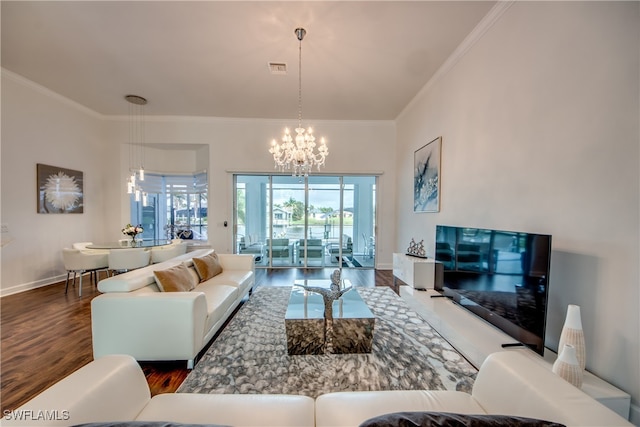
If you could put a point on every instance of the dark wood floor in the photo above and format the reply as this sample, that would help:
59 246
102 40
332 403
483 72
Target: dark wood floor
46 335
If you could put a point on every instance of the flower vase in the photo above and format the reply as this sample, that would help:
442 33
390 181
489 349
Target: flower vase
133 241
573 334
567 367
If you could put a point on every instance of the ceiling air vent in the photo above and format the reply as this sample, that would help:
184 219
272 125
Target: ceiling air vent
278 68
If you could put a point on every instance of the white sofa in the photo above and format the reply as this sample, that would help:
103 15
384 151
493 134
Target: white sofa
113 388
508 383
134 317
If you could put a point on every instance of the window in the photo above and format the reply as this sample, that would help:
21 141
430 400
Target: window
176 207
320 221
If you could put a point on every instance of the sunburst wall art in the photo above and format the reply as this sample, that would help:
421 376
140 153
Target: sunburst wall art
426 177
59 190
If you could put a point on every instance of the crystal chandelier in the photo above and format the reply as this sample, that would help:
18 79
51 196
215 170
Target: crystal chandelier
136 146
298 153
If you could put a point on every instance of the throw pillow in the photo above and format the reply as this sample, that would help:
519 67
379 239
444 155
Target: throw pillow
207 266
175 279
446 419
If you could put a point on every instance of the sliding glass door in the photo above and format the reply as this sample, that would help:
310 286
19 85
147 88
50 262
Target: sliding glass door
360 211
287 217
321 221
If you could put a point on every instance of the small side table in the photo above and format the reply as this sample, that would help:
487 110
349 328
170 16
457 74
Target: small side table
352 326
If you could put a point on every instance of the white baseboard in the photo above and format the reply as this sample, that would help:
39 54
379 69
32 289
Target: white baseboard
384 266
634 414
32 285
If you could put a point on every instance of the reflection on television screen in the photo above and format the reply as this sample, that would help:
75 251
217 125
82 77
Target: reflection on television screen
501 276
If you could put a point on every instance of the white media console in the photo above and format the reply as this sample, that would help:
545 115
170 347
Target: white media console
475 339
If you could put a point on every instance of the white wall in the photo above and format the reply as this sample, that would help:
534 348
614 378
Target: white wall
239 145
540 128
174 161
39 126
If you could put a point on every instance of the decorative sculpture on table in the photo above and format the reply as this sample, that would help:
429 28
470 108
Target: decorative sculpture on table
329 295
416 249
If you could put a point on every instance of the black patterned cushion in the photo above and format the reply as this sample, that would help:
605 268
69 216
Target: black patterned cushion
446 419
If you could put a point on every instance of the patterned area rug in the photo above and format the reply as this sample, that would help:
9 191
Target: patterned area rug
250 354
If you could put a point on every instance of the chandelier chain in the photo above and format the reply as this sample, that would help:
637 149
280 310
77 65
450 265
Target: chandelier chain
300 82
298 153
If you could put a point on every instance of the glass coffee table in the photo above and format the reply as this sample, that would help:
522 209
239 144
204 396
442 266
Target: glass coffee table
350 331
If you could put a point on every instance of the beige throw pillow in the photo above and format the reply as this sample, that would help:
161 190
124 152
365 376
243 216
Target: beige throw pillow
207 266
175 279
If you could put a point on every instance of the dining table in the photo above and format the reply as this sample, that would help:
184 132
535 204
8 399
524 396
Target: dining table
126 244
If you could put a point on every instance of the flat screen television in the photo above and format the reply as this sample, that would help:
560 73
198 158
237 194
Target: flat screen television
501 276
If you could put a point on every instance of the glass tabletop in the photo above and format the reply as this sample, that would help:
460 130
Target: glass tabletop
126 244
310 305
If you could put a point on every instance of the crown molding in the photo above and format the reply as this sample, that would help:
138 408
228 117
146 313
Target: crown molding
49 93
240 120
474 36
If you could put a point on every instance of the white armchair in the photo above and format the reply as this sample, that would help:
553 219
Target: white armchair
77 261
128 259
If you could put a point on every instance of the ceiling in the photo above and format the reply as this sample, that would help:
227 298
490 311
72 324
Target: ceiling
361 60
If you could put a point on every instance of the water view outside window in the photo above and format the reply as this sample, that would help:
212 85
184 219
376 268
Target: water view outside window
321 221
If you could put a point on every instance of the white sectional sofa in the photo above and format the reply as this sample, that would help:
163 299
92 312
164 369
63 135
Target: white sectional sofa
113 388
134 317
508 383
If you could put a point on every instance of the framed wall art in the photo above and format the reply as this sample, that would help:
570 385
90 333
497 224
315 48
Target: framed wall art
60 190
426 177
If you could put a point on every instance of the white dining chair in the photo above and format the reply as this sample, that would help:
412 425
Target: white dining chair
121 260
164 253
80 262
81 245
